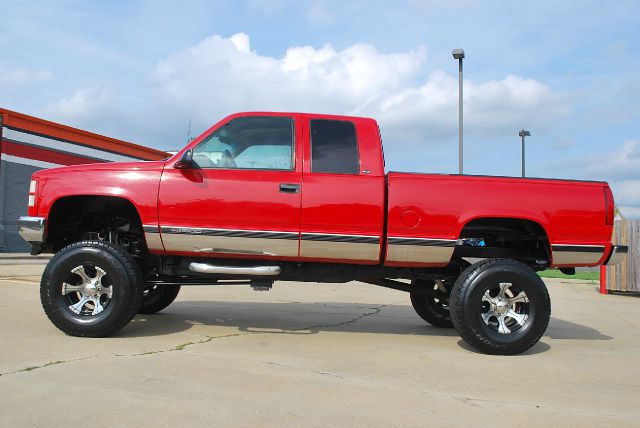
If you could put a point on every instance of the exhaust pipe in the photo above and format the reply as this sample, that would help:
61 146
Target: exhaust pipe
235 270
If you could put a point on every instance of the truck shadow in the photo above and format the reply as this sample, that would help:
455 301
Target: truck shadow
284 318
311 318
567 330
558 329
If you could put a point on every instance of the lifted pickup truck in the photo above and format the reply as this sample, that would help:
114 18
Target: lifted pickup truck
261 197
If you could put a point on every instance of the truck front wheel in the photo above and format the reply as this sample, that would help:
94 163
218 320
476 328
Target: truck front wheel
432 307
500 306
91 289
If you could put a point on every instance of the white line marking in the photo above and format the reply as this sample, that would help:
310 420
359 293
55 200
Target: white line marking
30 162
69 148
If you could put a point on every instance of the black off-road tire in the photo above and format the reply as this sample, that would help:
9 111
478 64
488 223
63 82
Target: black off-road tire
158 297
121 274
434 310
468 306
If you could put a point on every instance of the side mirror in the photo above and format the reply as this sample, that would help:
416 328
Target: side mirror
186 160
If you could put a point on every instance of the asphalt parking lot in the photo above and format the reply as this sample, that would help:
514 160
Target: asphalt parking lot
314 355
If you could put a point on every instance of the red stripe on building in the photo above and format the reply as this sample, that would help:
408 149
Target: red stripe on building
63 132
38 153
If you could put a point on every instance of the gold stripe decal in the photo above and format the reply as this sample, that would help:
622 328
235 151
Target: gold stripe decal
573 254
420 250
340 246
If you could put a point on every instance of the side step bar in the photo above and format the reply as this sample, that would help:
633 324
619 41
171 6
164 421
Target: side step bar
235 270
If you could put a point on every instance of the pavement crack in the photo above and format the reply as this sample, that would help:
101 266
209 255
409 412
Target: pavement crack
185 345
207 339
330 374
375 311
50 363
346 306
471 401
297 368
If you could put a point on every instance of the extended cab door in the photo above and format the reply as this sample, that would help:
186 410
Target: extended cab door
243 195
343 190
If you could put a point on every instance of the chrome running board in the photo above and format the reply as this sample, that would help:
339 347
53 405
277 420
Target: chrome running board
235 270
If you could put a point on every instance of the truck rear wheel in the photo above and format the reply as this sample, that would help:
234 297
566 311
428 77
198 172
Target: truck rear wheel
158 297
500 306
434 309
91 289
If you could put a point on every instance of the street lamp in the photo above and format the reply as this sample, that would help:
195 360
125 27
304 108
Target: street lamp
459 55
523 134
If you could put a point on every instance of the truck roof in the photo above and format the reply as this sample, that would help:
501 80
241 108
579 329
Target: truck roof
308 114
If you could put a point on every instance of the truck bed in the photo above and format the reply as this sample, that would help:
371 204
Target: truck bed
426 214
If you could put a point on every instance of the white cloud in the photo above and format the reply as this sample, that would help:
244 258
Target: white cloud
223 75
101 109
622 162
629 211
319 13
628 191
620 166
265 7
627 195
84 103
220 75
20 76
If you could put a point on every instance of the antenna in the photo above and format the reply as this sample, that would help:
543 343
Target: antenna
189 130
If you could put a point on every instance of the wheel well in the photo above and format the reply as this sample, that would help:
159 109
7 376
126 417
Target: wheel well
515 238
75 218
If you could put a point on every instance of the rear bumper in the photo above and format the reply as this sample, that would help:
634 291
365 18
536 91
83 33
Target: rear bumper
618 253
32 230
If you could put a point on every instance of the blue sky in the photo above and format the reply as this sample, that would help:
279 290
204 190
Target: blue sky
568 71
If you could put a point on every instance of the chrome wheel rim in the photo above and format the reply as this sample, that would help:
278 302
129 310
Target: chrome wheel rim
441 297
87 291
149 292
505 308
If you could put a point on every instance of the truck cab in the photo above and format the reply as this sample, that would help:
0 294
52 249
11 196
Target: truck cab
282 186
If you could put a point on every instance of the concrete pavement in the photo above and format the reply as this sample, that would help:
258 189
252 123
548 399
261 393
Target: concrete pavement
23 259
314 355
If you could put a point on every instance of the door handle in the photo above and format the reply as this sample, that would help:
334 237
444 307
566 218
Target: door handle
289 188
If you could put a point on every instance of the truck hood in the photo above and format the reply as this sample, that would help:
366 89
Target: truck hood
135 181
98 167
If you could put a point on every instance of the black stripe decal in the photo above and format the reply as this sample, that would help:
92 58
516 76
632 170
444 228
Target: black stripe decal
151 229
422 242
341 238
578 248
228 233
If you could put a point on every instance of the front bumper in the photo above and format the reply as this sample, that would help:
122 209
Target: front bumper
32 230
618 253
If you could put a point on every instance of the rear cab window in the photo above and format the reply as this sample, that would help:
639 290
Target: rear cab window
334 147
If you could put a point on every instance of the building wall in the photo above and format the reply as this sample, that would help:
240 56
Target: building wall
29 144
14 187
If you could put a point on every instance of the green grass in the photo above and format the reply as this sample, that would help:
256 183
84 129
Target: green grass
581 274
181 346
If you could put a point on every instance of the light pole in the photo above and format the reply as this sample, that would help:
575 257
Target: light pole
523 134
459 55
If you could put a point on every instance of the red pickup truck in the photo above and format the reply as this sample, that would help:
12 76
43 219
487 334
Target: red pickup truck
263 196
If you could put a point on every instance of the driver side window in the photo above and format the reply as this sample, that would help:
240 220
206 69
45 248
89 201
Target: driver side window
249 143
